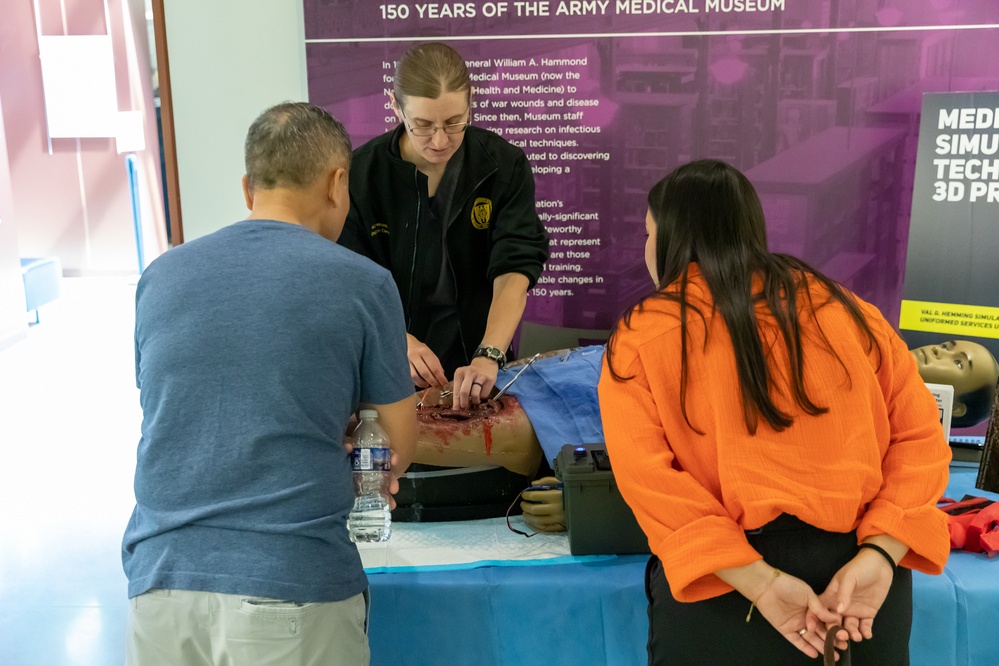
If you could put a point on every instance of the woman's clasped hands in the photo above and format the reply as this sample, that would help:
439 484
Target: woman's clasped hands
857 591
851 600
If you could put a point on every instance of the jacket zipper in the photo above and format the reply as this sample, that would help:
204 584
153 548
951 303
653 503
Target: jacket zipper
412 263
450 266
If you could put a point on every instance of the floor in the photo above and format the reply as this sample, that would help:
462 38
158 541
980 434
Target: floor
69 424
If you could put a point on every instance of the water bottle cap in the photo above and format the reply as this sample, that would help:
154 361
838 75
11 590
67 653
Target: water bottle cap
369 414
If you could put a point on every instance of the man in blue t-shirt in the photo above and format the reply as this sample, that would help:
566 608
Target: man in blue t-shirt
253 346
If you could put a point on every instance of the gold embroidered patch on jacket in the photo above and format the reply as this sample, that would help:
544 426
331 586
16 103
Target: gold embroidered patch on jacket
379 228
482 211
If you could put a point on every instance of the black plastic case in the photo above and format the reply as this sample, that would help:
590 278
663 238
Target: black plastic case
597 518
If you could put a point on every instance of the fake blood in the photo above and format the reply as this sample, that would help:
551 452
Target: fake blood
440 420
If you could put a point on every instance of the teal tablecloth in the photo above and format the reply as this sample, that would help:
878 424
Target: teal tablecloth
594 613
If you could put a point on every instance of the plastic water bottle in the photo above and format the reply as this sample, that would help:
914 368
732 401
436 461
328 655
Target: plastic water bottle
370 519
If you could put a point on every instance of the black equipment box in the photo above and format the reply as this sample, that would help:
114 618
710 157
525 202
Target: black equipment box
596 516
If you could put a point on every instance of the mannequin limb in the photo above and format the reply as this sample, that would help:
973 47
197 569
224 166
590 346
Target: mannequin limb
494 433
543 510
497 432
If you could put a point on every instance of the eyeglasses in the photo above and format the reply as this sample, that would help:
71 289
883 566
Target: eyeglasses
454 128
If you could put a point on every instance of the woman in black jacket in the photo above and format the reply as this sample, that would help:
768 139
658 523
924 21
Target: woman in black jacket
449 209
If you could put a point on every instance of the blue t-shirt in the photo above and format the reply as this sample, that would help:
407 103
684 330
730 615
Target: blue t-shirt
253 345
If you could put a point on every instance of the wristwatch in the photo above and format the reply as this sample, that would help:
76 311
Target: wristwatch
492 353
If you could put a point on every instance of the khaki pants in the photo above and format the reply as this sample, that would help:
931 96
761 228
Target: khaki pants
186 628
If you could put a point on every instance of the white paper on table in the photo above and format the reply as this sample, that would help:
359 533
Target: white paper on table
463 544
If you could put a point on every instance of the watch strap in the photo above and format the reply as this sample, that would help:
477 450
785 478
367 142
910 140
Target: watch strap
492 353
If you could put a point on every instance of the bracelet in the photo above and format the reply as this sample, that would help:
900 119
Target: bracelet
884 553
753 604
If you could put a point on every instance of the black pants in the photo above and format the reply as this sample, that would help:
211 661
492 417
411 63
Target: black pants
715 631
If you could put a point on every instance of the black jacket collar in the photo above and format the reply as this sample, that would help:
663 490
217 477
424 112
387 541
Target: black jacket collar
480 162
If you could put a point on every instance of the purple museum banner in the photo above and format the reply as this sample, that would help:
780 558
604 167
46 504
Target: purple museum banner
817 101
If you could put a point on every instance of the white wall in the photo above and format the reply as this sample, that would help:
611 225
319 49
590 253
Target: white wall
229 60
13 324
74 203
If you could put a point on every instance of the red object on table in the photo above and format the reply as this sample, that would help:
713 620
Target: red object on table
973 524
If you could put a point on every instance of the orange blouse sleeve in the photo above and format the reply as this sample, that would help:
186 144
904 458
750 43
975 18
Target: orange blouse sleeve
915 466
688 529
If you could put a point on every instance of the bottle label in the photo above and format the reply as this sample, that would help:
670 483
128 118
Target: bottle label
371 460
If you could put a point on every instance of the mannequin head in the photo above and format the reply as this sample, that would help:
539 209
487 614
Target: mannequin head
967 366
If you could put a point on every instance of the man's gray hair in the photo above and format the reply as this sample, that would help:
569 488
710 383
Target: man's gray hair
292 144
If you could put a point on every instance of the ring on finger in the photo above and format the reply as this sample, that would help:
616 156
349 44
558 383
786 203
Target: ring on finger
803 631
476 383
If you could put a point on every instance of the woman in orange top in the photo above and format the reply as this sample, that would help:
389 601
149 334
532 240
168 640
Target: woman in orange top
774 439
